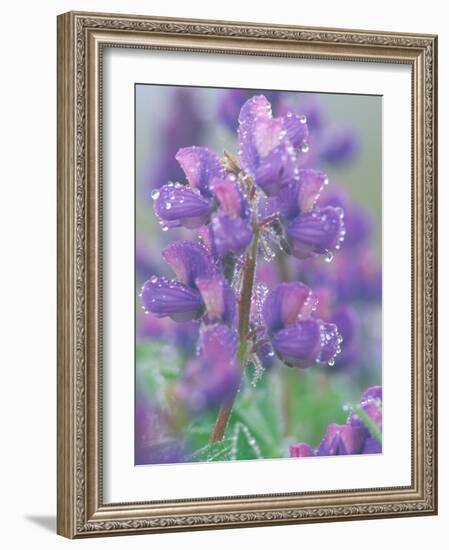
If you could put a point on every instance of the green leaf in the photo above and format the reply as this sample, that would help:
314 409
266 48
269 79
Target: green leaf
221 450
244 444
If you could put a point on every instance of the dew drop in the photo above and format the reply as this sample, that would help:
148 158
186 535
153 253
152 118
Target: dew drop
328 257
155 194
302 119
304 147
168 206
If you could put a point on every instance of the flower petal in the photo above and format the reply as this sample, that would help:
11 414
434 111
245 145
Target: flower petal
255 111
230 197
316 232
374 392
178 205
312 182
287 303
346 320
219 299
341 439
330 343
296 128
298 345
189 261
372 446
166 298
287 200
301 450
277 169
201 166
230 235
301 193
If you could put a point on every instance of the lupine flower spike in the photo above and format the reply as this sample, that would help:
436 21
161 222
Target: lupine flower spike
241 206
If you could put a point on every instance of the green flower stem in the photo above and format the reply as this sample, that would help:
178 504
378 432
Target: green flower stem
244 317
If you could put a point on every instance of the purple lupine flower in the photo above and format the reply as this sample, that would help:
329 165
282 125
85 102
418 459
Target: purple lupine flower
298 339
309 229
268 146
197 290
264 195
341 439
371 403
301 450
215 374
351 438
319 231
230 228
231 102
189 206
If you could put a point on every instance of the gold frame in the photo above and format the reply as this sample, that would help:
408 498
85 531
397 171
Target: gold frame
81 37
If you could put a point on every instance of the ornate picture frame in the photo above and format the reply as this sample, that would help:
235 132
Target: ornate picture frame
82 39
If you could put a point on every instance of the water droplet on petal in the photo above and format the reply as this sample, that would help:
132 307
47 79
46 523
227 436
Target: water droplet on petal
155 194
328 256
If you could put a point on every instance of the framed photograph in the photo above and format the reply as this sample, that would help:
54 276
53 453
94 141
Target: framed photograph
246 274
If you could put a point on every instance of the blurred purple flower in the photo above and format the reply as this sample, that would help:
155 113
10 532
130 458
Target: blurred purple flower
215 374
183 126
339 145
358 221
153 445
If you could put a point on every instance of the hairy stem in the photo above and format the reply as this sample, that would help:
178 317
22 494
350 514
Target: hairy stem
244 318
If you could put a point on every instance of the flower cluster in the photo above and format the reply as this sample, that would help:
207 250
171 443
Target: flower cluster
241 206
360 435
332 144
